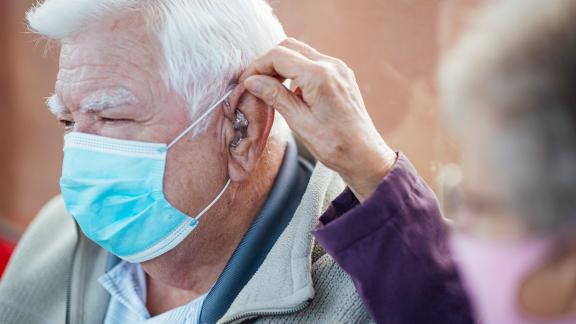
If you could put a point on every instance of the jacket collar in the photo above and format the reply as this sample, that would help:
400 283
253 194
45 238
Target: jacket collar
279 208
283 282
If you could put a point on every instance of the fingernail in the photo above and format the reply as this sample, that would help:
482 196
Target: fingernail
254 85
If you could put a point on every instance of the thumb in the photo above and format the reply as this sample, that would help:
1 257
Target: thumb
275 94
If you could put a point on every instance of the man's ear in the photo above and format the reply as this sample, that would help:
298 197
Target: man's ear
248 125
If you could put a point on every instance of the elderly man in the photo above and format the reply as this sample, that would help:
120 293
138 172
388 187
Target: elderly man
190 203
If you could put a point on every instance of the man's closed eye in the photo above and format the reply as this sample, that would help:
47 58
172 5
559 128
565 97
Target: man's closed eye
68 124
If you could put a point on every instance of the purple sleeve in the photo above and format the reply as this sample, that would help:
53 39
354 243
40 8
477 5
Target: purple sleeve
394 246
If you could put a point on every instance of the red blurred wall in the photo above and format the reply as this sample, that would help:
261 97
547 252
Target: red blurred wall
31 138
391 44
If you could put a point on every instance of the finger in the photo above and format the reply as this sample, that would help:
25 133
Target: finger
309 52
304 49
280 61
276 95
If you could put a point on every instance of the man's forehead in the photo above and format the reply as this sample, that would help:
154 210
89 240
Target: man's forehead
110 41
110 51
92 69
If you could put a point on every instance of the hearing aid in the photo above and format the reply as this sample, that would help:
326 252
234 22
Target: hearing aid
240 126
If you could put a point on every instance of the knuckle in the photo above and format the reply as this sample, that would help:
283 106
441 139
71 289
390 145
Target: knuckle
272 96
276 51
339 63
324 72
327 78
289 40
350 72
280 51
342 67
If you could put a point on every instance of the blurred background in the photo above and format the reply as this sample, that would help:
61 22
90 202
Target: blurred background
392 45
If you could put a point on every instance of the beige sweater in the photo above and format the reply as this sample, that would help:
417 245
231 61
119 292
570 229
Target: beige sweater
297 279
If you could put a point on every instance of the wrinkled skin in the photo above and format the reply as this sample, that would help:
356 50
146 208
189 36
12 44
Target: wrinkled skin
120 55
327 95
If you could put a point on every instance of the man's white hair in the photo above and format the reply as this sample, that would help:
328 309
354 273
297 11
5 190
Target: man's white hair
205 43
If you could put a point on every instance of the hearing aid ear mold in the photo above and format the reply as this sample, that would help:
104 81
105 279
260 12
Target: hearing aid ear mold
240 125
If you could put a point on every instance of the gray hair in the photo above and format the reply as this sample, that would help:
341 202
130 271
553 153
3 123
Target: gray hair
205 44
516 69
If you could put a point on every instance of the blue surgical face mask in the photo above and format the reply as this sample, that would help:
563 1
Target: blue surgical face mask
114 190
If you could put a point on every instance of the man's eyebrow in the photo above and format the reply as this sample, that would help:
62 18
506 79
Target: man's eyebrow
56 106
107 98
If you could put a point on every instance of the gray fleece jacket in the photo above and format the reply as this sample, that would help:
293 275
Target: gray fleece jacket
52 277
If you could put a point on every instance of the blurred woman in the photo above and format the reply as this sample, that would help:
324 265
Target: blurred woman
508 92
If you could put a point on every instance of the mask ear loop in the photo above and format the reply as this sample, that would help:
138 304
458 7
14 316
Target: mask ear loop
213 201
186 131
194 124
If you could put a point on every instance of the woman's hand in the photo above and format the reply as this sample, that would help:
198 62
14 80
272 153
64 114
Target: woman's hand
326 112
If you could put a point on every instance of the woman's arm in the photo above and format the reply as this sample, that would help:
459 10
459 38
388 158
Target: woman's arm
393 245
386 230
